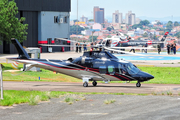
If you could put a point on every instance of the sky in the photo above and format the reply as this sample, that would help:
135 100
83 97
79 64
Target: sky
142 8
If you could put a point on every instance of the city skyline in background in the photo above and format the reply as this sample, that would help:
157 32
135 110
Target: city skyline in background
162 10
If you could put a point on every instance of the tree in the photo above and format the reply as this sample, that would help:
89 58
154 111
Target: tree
169 26
91 20
94 38
159 23
176 23
177 35
144 22
76 29
151 35
10 26
141 24
109 28
145 35
137 26
103 25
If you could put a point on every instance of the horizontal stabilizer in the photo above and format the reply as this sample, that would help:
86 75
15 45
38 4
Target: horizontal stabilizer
164 37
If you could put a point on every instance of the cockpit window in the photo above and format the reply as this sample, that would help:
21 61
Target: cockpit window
103 42
131 68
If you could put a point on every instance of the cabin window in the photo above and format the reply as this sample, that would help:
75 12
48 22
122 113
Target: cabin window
111 69
102 69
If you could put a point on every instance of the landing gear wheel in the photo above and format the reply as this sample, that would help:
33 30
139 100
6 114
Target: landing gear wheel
138 84
94 83
85 84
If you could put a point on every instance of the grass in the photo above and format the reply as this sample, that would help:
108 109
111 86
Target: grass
34 97
71 98
109 101
162 75
45 75
12 97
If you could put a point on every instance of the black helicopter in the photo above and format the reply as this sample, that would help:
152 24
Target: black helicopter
92 66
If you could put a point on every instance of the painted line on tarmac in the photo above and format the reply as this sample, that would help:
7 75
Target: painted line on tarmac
94 113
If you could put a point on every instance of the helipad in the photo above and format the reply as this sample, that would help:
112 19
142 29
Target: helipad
149 56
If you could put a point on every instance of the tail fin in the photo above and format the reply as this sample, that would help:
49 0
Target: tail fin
164 37
22 53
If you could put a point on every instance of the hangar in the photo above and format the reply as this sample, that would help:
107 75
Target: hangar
46 19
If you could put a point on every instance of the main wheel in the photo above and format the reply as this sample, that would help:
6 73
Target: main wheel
85 84
94 83
138 84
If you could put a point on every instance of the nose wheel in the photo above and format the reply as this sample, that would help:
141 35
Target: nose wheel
138 84
85 84
94 83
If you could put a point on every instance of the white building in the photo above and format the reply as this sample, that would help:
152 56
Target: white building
97 26
117 17
130 18
86 32
84 19
138 20
133 19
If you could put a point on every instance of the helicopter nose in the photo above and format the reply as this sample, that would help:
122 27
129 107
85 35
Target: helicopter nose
149 77
145 76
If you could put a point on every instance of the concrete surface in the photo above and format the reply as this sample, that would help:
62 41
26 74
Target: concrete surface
93 108
101 87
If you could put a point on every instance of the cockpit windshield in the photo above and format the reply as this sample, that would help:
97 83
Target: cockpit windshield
132 69
104 42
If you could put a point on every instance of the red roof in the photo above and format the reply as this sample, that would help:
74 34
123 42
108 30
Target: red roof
99 37
177 47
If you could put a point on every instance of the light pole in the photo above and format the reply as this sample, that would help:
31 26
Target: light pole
92 35
77 22
1 78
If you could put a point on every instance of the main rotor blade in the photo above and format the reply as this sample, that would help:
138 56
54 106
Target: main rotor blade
131 48
123 51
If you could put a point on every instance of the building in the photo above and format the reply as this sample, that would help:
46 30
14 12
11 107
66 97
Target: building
138 20
97 26
98 15
116 26
84 19
86 32
117 17
130 18
45 19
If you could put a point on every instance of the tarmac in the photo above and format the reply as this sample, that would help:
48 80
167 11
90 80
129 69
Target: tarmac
101 87
126 107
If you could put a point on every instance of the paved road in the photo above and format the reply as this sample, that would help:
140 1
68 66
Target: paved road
93 108
101 87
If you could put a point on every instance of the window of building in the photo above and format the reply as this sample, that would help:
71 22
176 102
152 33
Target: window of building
65 19
55 19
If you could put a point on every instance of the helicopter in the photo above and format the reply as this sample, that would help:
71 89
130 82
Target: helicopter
120 42
92 66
